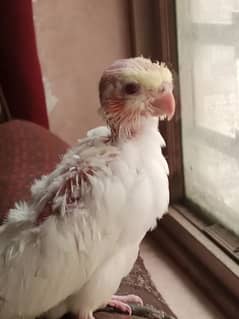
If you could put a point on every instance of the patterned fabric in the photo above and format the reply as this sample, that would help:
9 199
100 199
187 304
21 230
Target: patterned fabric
28 151
139 282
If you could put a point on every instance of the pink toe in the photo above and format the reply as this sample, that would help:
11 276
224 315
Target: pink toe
120 306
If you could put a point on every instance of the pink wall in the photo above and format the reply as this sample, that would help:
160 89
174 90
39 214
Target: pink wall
77 39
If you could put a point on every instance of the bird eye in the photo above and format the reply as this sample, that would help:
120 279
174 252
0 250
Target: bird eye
131 88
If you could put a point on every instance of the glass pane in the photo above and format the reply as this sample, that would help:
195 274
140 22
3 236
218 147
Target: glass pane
208 44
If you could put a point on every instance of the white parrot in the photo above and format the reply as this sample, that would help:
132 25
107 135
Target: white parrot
68 248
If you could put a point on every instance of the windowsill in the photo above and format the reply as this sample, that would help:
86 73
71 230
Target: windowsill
204 262
181 294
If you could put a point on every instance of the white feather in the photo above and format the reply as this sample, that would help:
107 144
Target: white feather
99 131
74 261
20 212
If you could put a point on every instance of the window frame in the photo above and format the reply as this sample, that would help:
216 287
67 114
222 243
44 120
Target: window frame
183 232
159 20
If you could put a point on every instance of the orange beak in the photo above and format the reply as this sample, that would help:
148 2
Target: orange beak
164 105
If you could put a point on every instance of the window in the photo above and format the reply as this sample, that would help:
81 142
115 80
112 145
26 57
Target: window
199 40
208 35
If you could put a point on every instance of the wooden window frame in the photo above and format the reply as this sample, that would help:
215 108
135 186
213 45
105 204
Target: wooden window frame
201 248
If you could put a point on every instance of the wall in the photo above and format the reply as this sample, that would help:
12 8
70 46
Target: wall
76 40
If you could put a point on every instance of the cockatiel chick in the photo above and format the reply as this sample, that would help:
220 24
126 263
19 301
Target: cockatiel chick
69 247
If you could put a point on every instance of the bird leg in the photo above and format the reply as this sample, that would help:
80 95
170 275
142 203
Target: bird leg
122 302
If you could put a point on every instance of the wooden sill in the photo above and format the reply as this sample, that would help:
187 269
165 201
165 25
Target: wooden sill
223 237
206 263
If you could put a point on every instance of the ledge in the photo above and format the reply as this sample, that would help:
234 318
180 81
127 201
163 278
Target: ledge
206 263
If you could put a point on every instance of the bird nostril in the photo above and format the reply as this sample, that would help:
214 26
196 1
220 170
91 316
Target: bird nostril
165 87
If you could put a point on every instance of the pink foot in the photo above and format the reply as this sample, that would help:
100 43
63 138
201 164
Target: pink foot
121 302
120 305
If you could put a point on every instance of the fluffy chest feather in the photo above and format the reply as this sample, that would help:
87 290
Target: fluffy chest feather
136 193
124 186
144 172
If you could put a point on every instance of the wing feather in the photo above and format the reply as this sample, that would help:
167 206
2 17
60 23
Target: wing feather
53 252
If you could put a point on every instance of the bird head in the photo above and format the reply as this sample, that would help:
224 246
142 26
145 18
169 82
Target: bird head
135 89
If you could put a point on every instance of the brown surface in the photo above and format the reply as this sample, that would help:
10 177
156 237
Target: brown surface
140 283
204 263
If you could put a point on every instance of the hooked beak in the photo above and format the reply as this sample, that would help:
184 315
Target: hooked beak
164 105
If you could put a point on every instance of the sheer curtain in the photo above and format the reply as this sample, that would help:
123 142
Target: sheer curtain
208 43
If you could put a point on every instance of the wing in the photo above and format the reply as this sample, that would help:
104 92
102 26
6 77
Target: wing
68 169
52 255
74 182
51 259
